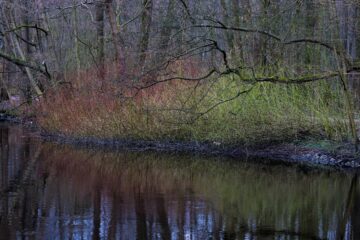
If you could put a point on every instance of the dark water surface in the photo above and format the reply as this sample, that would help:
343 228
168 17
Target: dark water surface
49 191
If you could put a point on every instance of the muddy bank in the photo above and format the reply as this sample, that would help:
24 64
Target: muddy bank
10 118
279 153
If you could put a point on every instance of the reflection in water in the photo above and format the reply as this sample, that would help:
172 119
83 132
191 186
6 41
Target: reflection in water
58 192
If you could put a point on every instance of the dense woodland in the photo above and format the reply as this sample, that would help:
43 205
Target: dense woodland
216 70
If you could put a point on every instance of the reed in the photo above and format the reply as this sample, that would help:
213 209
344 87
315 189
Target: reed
182 110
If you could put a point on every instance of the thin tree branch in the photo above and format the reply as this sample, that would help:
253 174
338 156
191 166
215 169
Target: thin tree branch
249 30
17 28
223 102
187 10
179 78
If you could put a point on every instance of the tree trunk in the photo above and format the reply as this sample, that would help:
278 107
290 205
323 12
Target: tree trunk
100 38
165 32
229 35
76 42
114 31
238 53
340 57
22 57
28 47
145 31
264 39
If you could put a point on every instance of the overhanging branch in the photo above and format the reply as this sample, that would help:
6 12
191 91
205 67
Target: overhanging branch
299 80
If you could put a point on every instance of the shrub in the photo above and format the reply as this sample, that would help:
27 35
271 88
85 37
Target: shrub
181 110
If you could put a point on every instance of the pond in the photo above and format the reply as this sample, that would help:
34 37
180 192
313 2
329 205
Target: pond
50 191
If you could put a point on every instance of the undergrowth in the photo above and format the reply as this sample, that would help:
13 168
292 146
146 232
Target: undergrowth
197 111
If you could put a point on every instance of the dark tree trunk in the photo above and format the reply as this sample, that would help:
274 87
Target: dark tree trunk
145 31
114 33
28 46
100 38
165 31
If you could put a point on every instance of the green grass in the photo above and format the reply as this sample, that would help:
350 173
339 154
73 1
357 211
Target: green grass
272 112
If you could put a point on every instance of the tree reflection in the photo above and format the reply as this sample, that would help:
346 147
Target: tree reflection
49 190
140 213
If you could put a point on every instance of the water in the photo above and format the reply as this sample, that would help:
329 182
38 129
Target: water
49 191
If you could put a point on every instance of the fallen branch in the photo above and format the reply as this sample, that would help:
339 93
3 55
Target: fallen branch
23 63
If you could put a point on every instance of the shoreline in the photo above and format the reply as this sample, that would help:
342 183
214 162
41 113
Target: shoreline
281 153
270 154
